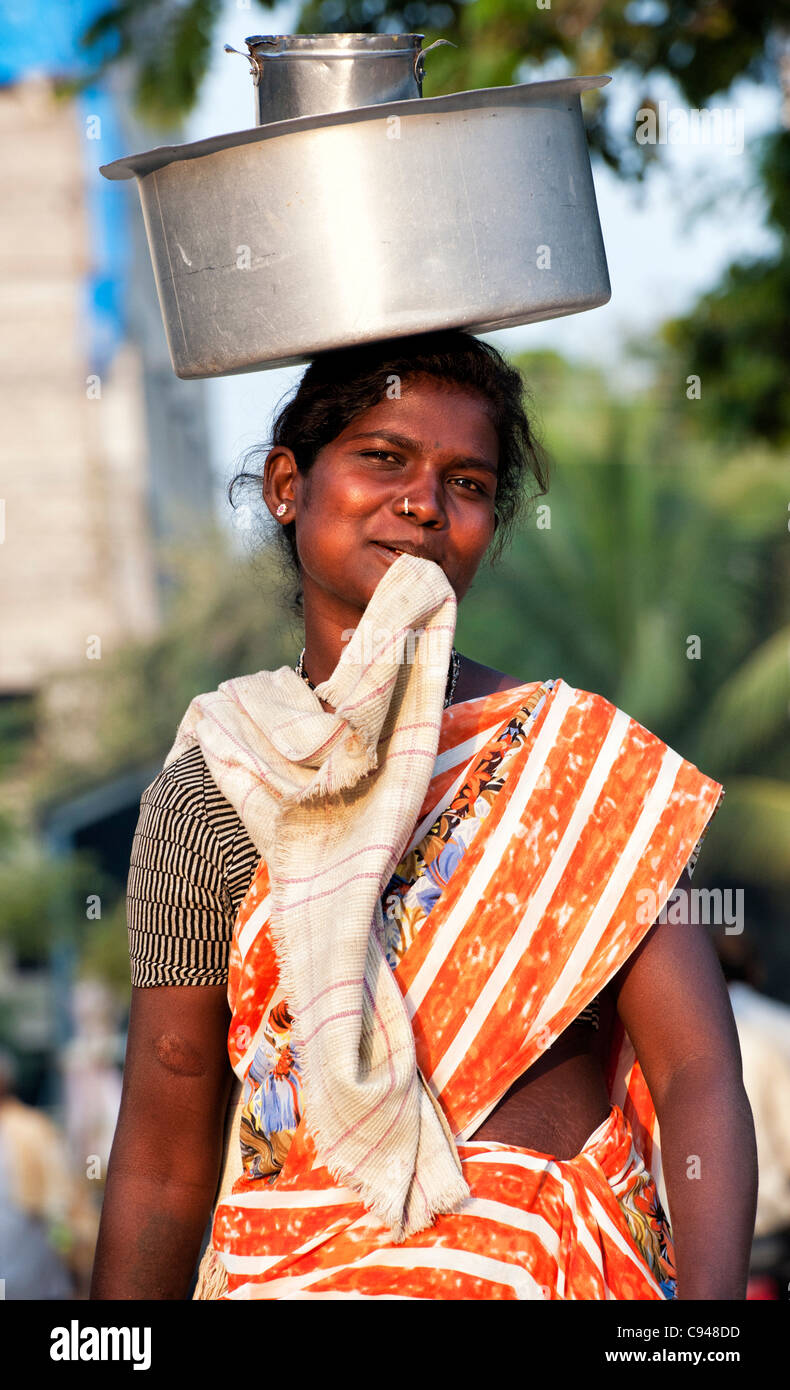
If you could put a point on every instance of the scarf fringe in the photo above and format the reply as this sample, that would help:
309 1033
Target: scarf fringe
404 1215
356 764
453 1199
212 1280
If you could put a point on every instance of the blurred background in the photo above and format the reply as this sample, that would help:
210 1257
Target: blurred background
129 585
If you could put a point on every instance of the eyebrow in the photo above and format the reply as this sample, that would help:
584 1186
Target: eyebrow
403 442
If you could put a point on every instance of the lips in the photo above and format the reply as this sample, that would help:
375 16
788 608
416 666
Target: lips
395 548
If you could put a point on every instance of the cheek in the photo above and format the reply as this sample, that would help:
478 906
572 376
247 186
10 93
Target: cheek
343 499
327 523
358 497
476 526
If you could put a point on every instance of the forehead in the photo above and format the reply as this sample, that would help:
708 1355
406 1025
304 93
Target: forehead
429 411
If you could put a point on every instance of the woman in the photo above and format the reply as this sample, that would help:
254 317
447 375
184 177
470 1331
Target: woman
456 1035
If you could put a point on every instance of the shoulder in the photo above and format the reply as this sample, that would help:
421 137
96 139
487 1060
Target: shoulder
186 803
181 786
187 828
476 679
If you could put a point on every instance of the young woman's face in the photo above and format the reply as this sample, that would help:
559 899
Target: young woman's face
444 460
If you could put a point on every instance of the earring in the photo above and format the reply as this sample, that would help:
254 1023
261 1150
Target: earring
282 508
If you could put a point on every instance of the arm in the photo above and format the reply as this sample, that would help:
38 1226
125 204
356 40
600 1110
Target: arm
673 1001
164 1166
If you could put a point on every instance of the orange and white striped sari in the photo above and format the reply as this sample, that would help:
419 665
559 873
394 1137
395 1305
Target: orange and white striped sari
504 933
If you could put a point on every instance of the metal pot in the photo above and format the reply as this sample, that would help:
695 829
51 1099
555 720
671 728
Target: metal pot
473 210
313 74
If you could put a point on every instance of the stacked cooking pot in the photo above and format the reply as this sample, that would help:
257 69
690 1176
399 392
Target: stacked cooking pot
356 209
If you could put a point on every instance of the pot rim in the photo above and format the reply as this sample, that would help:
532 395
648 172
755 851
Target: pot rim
392 44
147 161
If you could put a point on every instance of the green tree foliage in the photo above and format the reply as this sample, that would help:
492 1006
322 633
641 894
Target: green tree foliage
737 338
42 896
702 45
167 43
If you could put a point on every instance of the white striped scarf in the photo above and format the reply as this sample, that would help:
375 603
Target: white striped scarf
330 800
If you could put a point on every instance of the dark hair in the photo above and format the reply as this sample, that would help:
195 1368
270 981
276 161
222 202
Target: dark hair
339 385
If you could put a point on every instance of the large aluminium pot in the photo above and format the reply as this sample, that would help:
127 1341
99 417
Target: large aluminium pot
473 210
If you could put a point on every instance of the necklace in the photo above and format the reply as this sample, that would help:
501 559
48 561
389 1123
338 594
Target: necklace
452 674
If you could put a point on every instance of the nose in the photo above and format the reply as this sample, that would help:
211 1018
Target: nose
424 498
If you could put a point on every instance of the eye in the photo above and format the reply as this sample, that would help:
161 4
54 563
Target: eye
478 486
377 453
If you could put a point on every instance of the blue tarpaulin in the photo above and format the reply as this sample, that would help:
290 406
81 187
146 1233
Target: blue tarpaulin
43 36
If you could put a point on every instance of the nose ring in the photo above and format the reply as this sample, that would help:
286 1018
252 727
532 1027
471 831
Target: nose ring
406 506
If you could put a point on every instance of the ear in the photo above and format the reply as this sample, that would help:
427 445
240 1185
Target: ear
279 475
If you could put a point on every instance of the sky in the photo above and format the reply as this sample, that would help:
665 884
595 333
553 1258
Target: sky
663 246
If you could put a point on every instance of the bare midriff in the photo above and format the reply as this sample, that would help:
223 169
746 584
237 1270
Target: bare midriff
558 1103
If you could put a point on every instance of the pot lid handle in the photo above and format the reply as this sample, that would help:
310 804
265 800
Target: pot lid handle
419 64
255 71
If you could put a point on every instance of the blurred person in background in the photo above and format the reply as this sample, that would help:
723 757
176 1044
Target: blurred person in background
92 1081
764 1034
48 1224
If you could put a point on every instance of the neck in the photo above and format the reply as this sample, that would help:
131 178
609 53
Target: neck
324 645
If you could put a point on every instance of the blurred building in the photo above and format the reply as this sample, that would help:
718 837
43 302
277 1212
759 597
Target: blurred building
103 450
76 558
104 457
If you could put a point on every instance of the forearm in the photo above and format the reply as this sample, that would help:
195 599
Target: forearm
150 1236
709 1159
